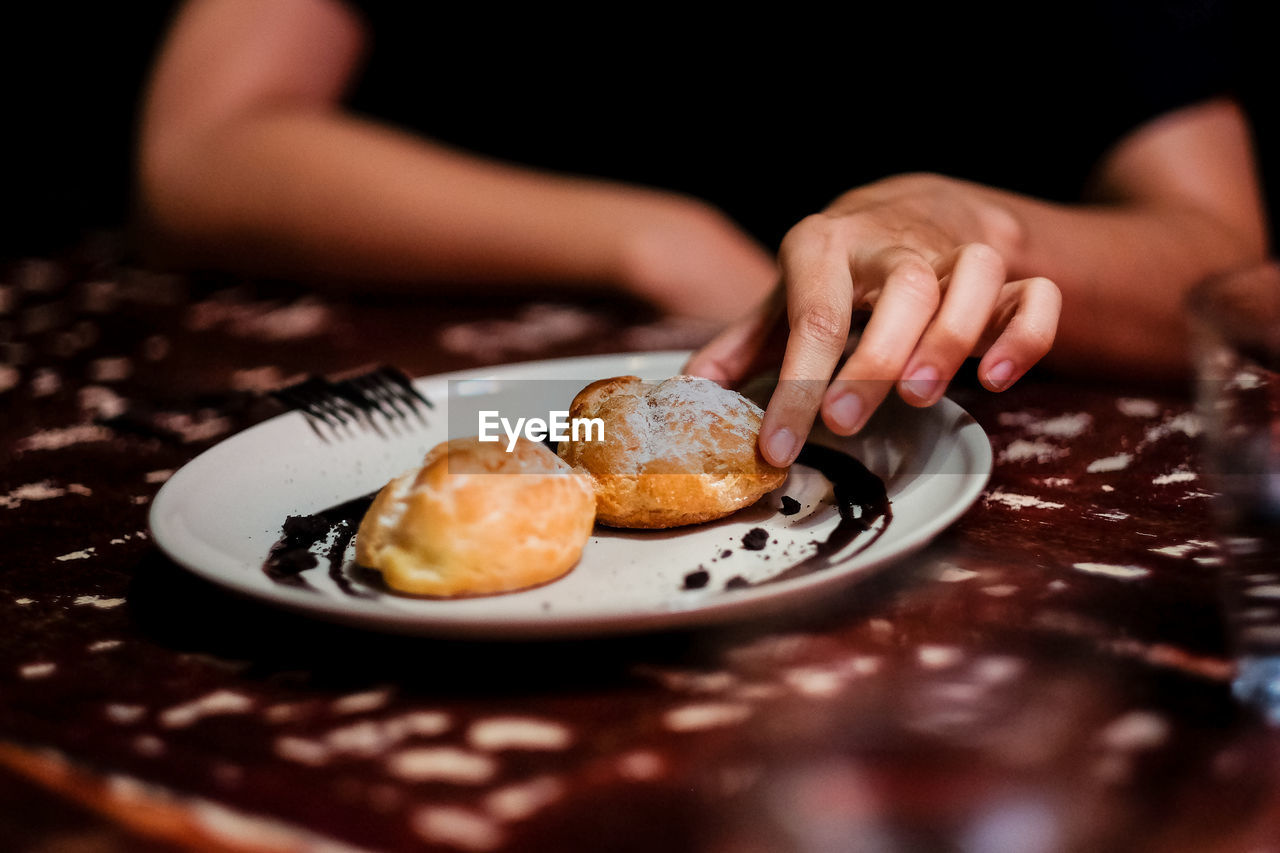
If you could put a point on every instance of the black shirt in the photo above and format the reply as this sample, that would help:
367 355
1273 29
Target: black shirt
771 114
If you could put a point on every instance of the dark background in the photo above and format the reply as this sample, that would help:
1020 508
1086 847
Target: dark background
72 75
75 71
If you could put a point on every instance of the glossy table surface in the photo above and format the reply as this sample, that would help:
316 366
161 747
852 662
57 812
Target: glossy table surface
1051 674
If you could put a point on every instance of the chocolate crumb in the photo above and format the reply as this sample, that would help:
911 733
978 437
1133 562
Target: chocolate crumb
737 582
289 562
291 556
790 506
755 539
725 554
303 529
697 579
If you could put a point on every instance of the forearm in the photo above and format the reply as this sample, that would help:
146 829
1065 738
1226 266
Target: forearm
323 194
1124 271
247 160
1175 201
953 269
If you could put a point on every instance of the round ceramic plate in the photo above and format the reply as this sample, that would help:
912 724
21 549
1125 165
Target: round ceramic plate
220 515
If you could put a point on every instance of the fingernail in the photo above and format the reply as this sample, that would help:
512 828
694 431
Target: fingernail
846 411
999 376
922 384
781 447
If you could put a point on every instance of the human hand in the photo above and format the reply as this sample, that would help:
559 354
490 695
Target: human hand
691 260
929 256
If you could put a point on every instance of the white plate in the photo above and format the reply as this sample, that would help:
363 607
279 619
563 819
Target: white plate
220 514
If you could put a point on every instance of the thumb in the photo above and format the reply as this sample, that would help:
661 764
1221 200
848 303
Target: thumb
744 346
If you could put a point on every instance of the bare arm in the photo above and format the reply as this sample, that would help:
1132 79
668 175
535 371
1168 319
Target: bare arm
953 269
1175 201
247 160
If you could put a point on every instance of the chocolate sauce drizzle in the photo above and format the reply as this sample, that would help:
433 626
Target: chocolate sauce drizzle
331 530
860 497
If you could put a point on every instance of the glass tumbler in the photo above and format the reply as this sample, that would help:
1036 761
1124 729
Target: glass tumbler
1235 322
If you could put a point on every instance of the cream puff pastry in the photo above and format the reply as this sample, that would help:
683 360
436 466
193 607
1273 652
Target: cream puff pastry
475 519
676 452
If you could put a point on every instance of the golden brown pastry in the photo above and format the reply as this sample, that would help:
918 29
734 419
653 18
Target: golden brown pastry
680 451
476 519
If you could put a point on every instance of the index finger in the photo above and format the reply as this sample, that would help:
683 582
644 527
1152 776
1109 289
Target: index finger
819 286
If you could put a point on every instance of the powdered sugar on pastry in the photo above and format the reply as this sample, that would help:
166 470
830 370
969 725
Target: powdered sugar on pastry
680 451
